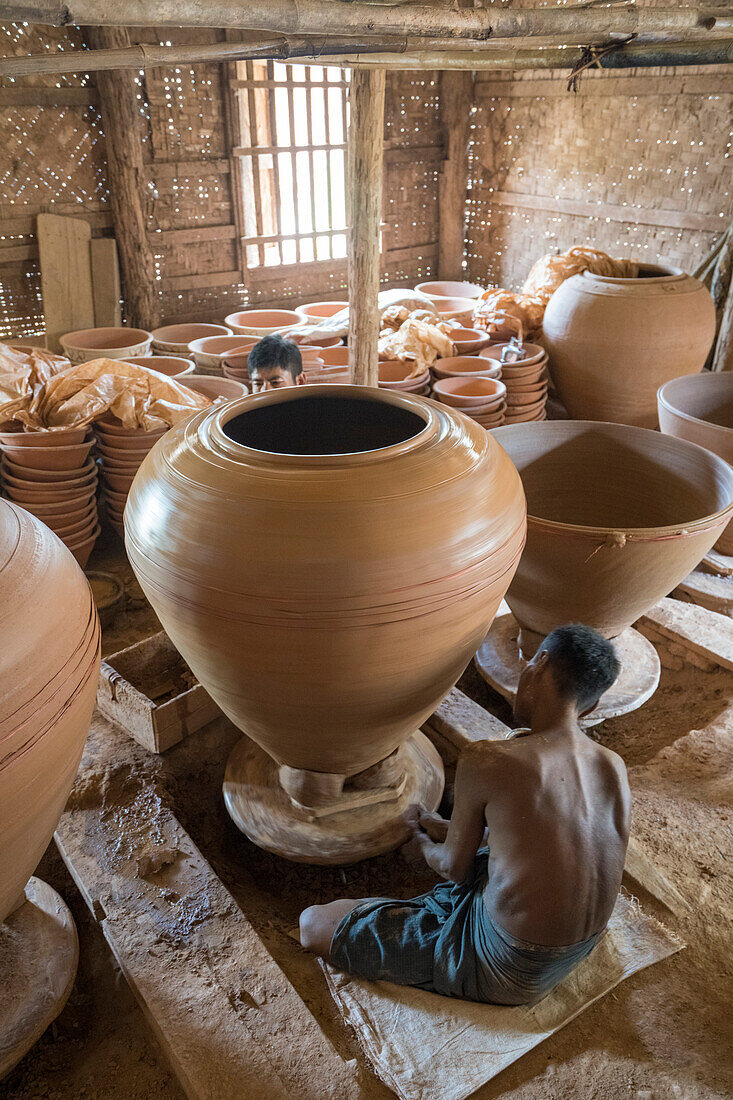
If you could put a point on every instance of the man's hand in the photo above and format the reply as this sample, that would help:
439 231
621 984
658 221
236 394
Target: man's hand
429 832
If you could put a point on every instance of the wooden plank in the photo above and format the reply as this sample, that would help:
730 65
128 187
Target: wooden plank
668 86
704 633
175 237
66 275
707 590
226 1016
194 169
25 224
198 282
18 253
670 219
266 150
106 283
414 154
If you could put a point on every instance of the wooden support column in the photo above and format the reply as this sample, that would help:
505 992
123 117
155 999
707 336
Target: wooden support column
366 154
122 129
456 95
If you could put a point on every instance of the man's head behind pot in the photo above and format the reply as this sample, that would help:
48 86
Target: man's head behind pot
274 363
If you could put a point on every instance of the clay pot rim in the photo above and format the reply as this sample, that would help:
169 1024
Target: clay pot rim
430 412
160 338
241 343
457 305
667 274
139 336
304 308
422 288
289 318
149 361
219 380
664 399
498 389
638 534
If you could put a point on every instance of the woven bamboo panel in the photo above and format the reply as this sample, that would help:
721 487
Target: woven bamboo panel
635 164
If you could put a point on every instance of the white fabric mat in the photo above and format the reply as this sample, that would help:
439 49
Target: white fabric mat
428 1047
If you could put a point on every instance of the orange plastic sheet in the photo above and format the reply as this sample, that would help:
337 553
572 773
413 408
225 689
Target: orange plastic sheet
23 374
140 398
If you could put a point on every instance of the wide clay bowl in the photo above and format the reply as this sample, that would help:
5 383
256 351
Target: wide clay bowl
699 408
618 516
64 479
119 482
613 342
459 366
71 498
469 392
50 458
360 538
216 388
124 457
526 399
105 343
133 441
314 338
237 361
319 311
262 322
76 532
111 426
174 339
469 341
209 352
534 354
454 309
53 437
398 372
335 357
172 366
49 668
450 290
82 550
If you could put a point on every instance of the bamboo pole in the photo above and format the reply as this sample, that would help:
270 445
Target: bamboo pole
398 54
121 123
366 153
422 21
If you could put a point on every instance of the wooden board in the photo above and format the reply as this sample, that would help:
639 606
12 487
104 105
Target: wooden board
225 1015
106 283
702 632
708 590
66 275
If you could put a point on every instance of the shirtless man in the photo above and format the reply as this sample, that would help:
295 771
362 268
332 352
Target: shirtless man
514 919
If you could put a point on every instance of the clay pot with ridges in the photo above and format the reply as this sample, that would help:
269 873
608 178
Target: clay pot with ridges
469 341
84 345
617 517
369 569
613 342
48 684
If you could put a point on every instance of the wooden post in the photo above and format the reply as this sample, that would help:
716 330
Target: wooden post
456 93
723 358
366 154
122 130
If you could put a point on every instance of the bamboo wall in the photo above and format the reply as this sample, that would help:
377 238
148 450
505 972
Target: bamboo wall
637 164
52 159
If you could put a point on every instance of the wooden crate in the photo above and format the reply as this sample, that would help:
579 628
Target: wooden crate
149 690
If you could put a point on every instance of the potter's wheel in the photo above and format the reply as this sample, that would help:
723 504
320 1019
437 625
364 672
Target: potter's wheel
260 808
39 952
499 662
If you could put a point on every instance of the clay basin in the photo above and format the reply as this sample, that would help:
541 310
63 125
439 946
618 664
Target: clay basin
617 517
335 357
396 373
172 366
237 361
110 425
699 408
67 478
454 309
214 388
236 374
123 455
466 393
459 366
209 352
525 397
53 437
50 458
314 338
133 441
318 311
450 290
469 341
535 354
105 343
174 339
262 322
49 495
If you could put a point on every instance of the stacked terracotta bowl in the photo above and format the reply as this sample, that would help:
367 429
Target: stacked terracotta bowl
52 474
469 341
121 451
175 339
396 374
525 380
262 322
172 366
215 388
467 366
314 312
483 399
210 352
83 345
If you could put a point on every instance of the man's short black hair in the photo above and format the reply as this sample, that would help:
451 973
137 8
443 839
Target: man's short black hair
583 662
274 351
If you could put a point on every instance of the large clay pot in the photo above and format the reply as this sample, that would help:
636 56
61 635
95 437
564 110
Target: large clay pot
49 667
700 408
613 342
326 559
617 517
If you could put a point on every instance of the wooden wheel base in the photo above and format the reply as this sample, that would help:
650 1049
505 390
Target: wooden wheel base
261 809
39 953
499 662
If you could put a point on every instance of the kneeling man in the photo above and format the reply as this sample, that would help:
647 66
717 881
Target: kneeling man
525 904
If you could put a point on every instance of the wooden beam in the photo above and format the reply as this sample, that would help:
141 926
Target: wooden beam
121 123
366 153
456 96
673 219
602 85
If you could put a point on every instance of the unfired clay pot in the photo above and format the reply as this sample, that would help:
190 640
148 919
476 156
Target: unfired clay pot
469 341
700 408
209 353
450 290
174 339
172 366
50 458
617 517
454 309
262 322
326 559
335 357
613 342
463 366
48 683
317 311
105 343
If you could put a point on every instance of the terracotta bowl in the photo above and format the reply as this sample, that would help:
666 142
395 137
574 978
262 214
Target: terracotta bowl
174 339
135 441
111 426
53 437
450 290
262 322
123 454
335 357
397 371
454 309
535 354
489 422
82 550
117 466
209 352
460 366
77 531
62 518
525 386
119 482
115 511
318 311
50 458
467 392
310 353
70 499
319 341
172 366
618 516
236 361
113 497
523 400
28 478
699 408
469 341
105 343
216 388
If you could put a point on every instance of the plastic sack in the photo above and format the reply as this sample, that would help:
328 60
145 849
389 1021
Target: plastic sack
415 339
23 374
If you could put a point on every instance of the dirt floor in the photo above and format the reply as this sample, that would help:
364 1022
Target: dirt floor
664 1033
